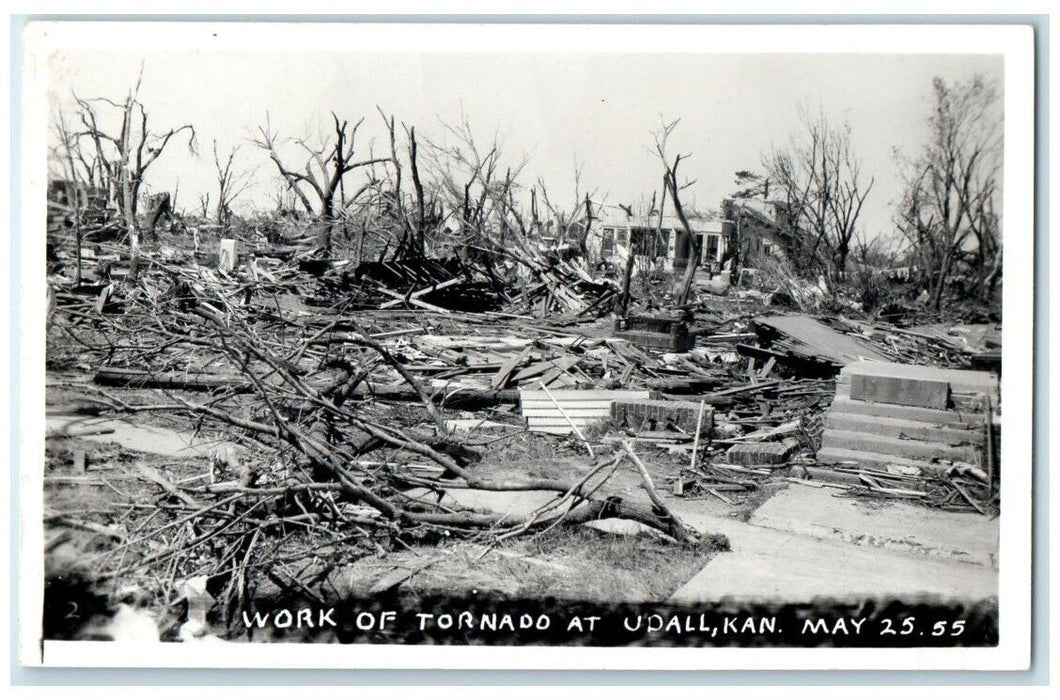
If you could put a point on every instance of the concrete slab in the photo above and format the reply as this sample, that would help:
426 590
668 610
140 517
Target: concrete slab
767 565
960 380
897 427
893 525
904 391
898 447
141 438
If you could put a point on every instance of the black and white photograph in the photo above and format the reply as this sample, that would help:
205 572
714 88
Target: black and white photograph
574 344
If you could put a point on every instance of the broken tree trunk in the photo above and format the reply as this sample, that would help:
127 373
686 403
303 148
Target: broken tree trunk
188 381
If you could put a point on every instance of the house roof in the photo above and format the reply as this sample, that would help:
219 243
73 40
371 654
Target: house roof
763 211
699 224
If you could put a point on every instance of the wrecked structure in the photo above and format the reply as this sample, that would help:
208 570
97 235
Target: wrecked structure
619 234
761 227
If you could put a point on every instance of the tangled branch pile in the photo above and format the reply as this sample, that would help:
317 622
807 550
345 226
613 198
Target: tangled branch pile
319 460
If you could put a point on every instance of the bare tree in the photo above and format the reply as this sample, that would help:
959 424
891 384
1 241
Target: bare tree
230 184
819 176
414 216
318 183
204 205
573 224
67 158
948 208
122 159
673 189
474 189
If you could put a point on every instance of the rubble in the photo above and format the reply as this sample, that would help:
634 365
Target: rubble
760 453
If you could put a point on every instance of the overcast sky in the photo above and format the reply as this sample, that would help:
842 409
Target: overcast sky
594 110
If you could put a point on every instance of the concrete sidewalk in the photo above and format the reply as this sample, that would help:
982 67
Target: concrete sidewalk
805 543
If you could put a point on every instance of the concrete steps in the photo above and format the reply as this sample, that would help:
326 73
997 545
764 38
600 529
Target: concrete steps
898 447
837 455
907 429
908 415
846 405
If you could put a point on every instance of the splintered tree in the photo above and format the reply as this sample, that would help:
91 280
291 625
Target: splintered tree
414 217
320 180
819 176
475 191
948 212
68 161
573 225
120 159
673 189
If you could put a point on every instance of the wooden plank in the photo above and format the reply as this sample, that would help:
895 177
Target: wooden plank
506 369
422 292
413 302
590 394
539 368
575 413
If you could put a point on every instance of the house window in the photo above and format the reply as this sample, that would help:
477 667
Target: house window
713 247
641 240
607 242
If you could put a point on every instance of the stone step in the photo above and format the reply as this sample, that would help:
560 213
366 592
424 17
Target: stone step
960 380
903 391
899 427
835 455
846 405
910 449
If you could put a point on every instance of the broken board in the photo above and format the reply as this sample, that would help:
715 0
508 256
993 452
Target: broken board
808 337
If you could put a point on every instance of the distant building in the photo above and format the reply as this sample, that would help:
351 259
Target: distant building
762 227
67 193
617 233
66 198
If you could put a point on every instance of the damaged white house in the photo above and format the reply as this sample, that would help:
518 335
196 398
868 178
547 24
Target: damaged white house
617 234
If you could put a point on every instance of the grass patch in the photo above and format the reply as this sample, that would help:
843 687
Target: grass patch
568 563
